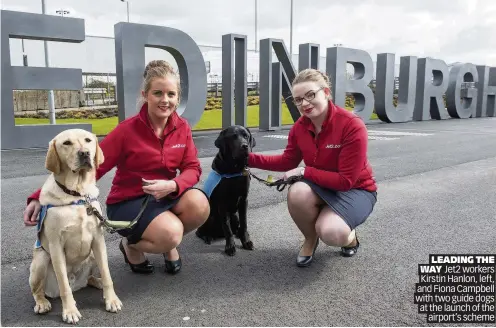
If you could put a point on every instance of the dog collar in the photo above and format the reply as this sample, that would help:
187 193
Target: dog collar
67 190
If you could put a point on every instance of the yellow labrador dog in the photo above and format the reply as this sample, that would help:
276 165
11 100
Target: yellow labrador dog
71 245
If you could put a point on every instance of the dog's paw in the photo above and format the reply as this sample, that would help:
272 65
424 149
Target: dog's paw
42 306
207 240
246 241
113 304
71 315
230 249
248 245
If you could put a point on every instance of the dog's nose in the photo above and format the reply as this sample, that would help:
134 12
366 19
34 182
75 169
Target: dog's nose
83 153
244 146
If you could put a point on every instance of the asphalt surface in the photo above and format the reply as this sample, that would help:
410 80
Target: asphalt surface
436 194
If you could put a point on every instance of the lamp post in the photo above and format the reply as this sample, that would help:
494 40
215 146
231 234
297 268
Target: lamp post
127 5
24 55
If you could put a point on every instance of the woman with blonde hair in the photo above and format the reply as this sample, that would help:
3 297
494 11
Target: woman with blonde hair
147 150
335 191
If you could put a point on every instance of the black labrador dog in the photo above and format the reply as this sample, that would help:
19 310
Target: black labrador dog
228 185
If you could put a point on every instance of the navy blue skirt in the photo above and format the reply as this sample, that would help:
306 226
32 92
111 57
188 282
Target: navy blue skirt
353 206
129 209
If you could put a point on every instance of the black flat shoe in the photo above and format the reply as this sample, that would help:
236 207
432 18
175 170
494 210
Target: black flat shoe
304 261
349 251
172 267
143 267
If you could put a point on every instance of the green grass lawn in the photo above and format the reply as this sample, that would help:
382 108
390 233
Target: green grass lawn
211 119
101 126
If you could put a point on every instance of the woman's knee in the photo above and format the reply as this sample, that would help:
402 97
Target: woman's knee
193 205
332 229
192 209
200 205
333 237
171 231
301 194
165 231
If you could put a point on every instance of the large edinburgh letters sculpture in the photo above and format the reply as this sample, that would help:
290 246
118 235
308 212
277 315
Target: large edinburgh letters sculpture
35 27
423 82
130 42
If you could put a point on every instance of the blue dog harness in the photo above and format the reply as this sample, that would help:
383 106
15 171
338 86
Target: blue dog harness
43 213
214 178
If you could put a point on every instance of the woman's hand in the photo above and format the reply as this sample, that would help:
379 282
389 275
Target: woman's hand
31 213
159 188
294 172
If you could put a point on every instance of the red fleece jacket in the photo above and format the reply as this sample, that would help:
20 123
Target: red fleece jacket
137 153
335 159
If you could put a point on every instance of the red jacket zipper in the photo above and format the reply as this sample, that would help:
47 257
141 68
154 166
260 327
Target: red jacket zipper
317 148
163 146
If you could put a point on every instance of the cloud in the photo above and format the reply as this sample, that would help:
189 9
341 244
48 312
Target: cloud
451 30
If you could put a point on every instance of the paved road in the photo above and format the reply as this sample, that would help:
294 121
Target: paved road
436 195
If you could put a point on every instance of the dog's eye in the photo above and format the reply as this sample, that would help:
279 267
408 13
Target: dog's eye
87 140
67 143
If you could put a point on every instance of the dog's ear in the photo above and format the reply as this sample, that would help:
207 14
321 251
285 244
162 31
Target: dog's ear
253 143
220 140
99 158
52 162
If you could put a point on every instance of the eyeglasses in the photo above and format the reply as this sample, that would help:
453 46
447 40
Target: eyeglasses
309 96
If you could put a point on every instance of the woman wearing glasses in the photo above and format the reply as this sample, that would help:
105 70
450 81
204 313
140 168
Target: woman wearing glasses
336 190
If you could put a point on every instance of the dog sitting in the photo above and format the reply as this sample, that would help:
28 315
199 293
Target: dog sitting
71 245
227 186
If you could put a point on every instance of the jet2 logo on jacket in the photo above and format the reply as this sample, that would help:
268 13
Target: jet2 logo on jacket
179 146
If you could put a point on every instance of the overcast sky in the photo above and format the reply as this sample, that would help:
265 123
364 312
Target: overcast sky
452 30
